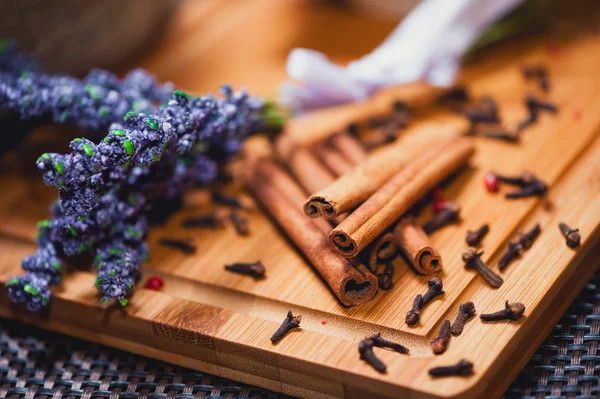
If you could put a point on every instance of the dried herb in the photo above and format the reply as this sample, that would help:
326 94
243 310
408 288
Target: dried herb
465 312
449 214
463 367
435 288
289 323
472 259
572 235
440 343
186 246
240 223
513 311
474 238
209 220
256 269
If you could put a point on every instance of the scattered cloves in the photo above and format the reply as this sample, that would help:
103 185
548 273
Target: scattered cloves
486 111
465 312
538 73
513 251
440 343
463 367
385 278
380 342
512 311
502 134
449 214
474 237
219 197
435 288
535 104
535 189
472 260
208 220
365 349
240 223
572 235
290 322
412 316
458 94
526 239
186 246
529 183
256 269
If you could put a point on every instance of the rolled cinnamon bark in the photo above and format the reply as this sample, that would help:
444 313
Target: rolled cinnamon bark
380 251
396 196
318 125
332 158
306 167
349 147
353 188
417 247
352 284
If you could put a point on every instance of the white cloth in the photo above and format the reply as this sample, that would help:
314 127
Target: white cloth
427 45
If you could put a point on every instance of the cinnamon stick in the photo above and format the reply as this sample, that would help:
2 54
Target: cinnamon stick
396 196
417 247
352 283
349 147
306 167
318 125
332 158
353 188
380 251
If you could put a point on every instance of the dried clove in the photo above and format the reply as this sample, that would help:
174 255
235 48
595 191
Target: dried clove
435 288
464 367
472 260
412 316
380 342
219 197
538 73
208 220
256 269
512 311
526 239
290 322
186 246
458 94
240 223
534 105
440 343
474 237
465 312
535 189
365 348
513 251
486 111
503 135
385 278
572 235
529 183
449 214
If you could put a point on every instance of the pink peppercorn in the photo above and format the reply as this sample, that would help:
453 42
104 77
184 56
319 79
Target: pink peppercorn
154 283
438 206
491 182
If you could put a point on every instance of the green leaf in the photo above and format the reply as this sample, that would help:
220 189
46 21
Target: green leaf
30 290
123 302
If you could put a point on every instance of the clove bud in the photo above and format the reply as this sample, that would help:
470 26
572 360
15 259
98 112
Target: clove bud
513 251
512 311
472 260
289 323
440 343
256 269
435 288
474 237
526 239
463 367
465 312
572 235
449 214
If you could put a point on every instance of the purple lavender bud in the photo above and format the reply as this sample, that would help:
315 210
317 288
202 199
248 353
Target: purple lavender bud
205 170
31 289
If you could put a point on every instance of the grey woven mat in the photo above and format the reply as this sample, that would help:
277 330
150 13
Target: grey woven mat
37 363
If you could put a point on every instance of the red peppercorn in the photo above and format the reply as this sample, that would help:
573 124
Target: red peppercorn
491 182
438 195
154 283
438 206
323 322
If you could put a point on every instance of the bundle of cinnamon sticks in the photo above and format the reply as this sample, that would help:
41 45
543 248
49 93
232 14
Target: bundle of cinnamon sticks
347 209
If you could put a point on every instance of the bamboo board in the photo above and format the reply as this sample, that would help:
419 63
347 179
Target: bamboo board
220 323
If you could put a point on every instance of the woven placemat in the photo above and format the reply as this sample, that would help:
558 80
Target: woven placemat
38 363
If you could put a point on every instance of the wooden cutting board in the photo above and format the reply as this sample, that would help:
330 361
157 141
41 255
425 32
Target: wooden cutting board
220 323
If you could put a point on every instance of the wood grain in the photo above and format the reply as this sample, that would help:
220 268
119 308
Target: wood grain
220 322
